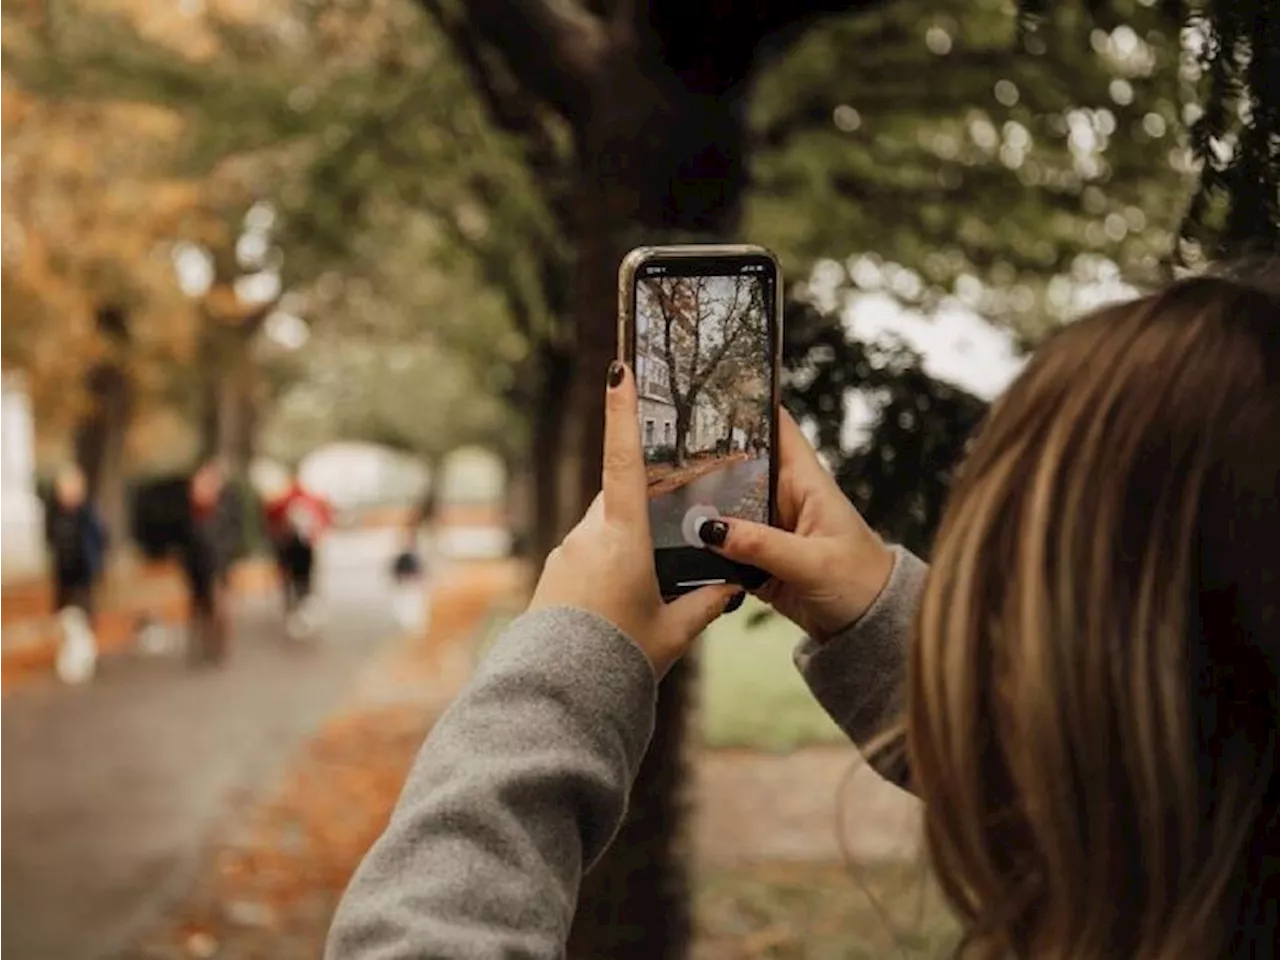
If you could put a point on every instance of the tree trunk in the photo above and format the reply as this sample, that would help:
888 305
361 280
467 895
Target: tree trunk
601 247
429 507
684 415
636 902
100 436
237 404
230 414
651 153
553 511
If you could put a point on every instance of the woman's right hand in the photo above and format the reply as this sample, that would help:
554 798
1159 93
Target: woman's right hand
827 565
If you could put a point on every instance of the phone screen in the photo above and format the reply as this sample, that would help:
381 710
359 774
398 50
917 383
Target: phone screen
704 365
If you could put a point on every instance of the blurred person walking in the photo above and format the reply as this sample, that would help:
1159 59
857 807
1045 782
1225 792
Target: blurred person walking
296 520
77 542
409 599
215 541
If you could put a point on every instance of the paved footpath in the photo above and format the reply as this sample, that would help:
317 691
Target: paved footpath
269 883
724 489
111 791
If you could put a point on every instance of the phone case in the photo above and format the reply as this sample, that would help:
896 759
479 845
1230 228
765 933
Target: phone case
627 270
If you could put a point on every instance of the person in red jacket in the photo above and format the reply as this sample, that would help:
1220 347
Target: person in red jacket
296 520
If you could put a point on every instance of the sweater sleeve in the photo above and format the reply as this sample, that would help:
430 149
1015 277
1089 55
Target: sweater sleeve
858 674
521 785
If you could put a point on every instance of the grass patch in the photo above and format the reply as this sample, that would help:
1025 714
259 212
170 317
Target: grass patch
752 694
820 912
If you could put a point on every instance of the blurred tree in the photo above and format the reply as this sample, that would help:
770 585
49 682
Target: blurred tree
91 312
984 160
415 397
283 105
242 267
121 237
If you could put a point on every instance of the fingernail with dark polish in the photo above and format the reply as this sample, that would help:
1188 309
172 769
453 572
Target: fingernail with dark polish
735 602
616 372
714 532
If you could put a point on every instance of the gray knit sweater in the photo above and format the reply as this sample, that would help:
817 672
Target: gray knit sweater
524 780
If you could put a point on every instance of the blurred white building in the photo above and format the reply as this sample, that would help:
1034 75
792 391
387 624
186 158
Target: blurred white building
473 477
21 511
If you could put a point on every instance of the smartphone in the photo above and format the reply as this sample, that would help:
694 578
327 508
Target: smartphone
700 327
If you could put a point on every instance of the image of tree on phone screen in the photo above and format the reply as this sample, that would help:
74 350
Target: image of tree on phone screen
703 369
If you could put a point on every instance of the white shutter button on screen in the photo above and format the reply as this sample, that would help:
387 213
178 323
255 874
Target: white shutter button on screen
694 518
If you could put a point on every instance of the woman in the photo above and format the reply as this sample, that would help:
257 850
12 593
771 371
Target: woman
1090 667
297 520
77 543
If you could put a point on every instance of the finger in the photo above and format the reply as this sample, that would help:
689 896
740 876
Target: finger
787 556
623 483
802 479
689 615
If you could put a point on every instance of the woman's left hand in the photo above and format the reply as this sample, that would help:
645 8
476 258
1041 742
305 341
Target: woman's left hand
605 564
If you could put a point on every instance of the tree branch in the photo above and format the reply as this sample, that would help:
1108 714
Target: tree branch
509 113
552 47
715 47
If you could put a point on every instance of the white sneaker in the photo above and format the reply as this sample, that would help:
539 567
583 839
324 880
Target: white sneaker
305 620
313 611
78 652
155 639
297 626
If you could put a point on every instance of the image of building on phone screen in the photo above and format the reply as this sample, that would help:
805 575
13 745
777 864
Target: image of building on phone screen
703 371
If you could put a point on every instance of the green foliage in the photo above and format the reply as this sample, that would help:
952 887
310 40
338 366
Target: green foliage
899 477
1236 138
1231 65
401 210
889 134
938 136
411 396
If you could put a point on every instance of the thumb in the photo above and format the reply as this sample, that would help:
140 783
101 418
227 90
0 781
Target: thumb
785 556
692 613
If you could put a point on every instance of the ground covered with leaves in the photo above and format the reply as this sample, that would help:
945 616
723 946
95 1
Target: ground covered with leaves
666 477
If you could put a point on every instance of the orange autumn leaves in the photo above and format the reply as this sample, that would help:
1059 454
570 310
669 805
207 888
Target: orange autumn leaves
84 210
92 205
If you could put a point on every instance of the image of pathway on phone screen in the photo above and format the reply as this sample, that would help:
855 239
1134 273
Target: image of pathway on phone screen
703 369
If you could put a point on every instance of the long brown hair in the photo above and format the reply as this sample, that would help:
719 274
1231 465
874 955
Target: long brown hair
1092 694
